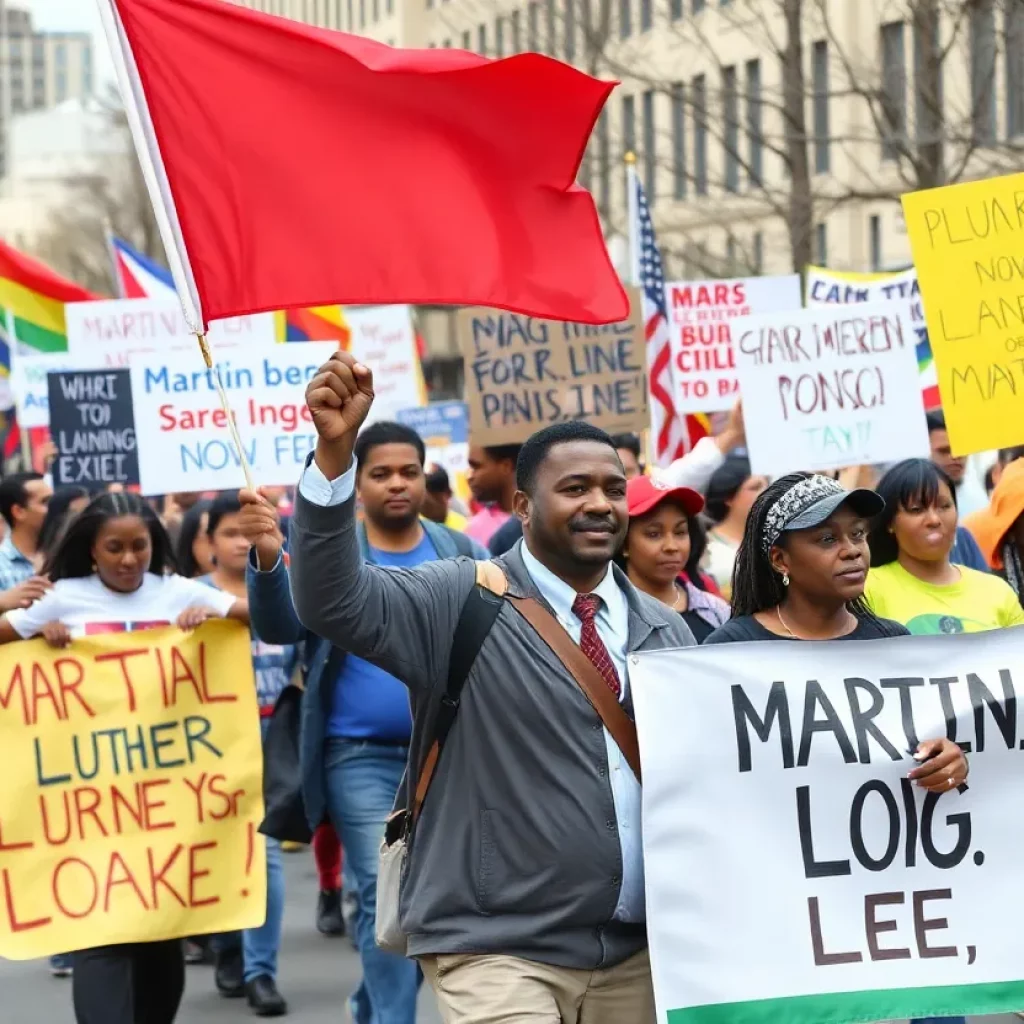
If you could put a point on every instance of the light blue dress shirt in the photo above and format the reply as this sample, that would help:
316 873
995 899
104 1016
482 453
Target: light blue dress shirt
613 627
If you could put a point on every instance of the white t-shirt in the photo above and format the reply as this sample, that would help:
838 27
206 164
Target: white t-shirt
87 607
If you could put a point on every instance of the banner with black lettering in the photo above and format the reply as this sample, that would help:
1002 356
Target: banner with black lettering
794 873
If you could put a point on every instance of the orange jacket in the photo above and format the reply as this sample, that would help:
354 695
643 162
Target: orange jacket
990 525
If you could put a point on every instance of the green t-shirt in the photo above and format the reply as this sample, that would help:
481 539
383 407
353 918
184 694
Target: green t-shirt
976 602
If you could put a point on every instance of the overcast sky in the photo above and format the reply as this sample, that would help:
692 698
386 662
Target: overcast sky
73 16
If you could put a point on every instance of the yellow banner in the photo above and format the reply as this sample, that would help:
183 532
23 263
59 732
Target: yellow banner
132 790
968 243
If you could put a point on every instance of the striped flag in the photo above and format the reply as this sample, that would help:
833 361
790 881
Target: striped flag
139 277
672 437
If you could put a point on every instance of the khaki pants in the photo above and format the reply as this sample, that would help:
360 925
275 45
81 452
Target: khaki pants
506 990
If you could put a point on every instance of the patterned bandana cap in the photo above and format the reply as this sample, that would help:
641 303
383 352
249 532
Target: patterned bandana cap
797 500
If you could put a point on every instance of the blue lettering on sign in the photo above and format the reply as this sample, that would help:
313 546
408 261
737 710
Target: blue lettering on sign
215 455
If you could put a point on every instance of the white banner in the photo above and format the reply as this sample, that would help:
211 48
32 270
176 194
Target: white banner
830 387
794 874
182 433
110 332
700 314
28 384
382 337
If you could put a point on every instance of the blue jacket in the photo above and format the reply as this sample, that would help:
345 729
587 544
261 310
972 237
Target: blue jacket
274 621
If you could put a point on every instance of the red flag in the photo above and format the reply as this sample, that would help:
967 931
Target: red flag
304 167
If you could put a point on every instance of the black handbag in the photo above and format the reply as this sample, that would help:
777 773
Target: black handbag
285 815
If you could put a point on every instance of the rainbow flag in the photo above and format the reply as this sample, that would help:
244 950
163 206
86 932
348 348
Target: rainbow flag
313 323
32 301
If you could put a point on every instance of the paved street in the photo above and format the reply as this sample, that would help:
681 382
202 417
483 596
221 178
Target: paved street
316 976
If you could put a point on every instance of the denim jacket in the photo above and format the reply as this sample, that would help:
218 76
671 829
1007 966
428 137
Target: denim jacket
274 621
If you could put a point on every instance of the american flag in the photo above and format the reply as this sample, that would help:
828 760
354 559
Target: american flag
673 437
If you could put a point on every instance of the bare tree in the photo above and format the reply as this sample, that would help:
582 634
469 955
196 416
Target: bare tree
112 198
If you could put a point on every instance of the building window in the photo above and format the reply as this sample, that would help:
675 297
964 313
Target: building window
755 125
447 44
625 18
875 231
650 147
481 39
499 36
698 6
822 127
376 11
675 9
928 68
552 37
628 134
678 100
467 40
731 116
730 255
349 20
758 254
821 245
894 90
699 100
646 15
517 33
604 164
983 71
570 31
362 13
62 86
533 26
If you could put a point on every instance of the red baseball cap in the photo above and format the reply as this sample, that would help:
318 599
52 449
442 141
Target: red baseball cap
644 493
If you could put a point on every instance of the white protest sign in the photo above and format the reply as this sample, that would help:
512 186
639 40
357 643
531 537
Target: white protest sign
111 332
182 433
830 387
28 384
794 874
382 337
700 314
831 287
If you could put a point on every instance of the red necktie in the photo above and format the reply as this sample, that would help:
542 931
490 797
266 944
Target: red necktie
585 609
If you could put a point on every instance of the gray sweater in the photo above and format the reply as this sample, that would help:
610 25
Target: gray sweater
516 851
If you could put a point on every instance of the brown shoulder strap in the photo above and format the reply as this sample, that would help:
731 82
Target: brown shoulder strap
489 576
590 681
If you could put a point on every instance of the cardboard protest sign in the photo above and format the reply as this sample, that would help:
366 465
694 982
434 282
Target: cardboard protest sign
966 241
130 807
110 332
383 338
183 433
821 885
523 373
30 387
444 427
700 314
92 423
831 387
831 287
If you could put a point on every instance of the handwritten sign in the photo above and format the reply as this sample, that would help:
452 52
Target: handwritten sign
183 433
700 314
130 807
838 287
110 332
93 427
523 374
832 387
967 248
383 338
30 387
852 893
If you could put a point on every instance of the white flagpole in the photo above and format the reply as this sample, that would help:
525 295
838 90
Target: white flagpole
155 175
633 225
108 236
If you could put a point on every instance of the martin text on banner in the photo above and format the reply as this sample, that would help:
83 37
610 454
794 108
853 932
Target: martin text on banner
131 805
821 884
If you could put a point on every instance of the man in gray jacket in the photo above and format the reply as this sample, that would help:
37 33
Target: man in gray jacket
524 894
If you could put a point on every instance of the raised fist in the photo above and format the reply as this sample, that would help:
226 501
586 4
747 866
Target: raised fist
339 397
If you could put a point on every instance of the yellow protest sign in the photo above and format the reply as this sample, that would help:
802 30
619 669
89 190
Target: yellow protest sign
968 244
132 791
